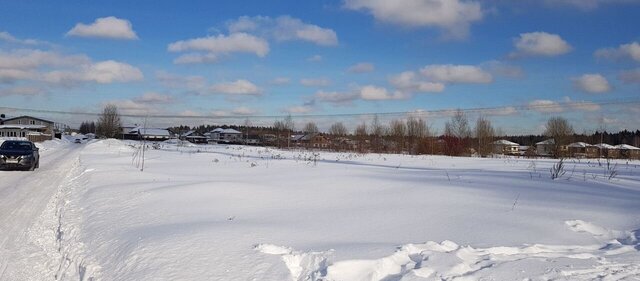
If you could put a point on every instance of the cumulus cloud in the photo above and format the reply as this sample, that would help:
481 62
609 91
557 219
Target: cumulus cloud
21 91
280 81
630 76
374 93
9 76
592 83
336 98
109 27
298 109
408 81
32 59
454 16
540 44
243 110
207 49
363 67
192 83
588 5
284 28
315 82
239 87
624 51
7 37
456 74
103 72
545 106
155 98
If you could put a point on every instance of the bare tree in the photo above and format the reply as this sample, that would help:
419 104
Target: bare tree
417 131
280 127
361 136
457 132
109 124
484 134
338 129
311 128
561 131
377 131
289 127
398 132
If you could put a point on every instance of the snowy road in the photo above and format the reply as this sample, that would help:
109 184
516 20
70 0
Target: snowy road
23 198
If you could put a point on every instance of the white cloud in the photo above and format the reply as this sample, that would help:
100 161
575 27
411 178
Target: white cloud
32 59
409 82
454 16
156 98
130 107
545 106
284 28
192 58
239 87
12 75
624 51
280 81
315 82
21 91
584 106
499 68
221 44
362 67
375 93
103 72
243 111
592 83
7 37
335 97
456 74
298 109
192 83
314 58
540 44
587 5
630 76
109 27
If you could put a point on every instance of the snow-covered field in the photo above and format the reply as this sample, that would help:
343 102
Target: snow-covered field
253 213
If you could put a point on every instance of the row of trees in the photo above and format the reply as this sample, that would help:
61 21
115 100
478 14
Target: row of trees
108 126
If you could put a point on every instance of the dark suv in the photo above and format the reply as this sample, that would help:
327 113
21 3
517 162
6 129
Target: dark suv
19 154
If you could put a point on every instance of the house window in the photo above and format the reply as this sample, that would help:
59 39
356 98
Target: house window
32 122
22 134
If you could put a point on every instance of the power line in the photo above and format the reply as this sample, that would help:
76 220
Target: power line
489 111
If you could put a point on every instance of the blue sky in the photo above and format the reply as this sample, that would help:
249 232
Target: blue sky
238 59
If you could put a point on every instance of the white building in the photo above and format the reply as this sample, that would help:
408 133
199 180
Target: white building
220 135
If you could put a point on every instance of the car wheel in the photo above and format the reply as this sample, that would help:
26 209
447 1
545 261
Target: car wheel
38 164
33 167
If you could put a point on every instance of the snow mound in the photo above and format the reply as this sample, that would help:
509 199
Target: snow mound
449 261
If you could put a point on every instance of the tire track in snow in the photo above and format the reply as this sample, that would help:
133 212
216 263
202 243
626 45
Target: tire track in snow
24 196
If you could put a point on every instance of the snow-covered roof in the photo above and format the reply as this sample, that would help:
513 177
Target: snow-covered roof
225 131
547 142
19 126
626 147
605 146
579 144
151 131
188 133
505 142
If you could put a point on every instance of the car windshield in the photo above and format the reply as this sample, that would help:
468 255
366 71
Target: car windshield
10 145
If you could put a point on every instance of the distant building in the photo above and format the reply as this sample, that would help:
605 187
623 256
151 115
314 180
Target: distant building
193 137
220 135
505 147
582 150
607 150
628 151
149 134
31 128
545 148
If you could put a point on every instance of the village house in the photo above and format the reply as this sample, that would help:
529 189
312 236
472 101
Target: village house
607 150
582 150
220 135
149 134
505 147
31 128
546 147
628 151
193 137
